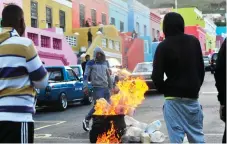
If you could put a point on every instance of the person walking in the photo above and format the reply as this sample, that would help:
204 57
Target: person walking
21 71
180 57
89 37
97 69
87 58
220 78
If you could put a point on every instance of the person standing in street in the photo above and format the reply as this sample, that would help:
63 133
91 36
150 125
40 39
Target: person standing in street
89 37
87 58
21 71
97 69
180 57
220 78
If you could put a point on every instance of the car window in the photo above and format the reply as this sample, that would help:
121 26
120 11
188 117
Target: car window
215 57
53 73
144 67
71 75
76 70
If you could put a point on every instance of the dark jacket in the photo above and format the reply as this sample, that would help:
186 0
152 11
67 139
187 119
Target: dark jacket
180 57
83 65
220 74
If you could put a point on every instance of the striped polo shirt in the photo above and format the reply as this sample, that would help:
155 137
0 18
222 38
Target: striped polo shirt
20 71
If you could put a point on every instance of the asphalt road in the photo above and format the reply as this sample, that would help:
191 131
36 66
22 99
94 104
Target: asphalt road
66 127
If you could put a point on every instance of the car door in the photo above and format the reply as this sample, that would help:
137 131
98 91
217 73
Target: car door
76 91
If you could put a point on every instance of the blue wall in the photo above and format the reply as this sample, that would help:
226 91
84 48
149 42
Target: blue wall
119 10
148 54
220 30
154 47
141 16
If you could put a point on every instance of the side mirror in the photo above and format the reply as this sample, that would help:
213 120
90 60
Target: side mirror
58 78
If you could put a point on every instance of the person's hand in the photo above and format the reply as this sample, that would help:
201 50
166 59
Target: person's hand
86 91
220 112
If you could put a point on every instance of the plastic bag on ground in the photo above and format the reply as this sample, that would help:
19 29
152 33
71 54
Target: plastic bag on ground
133 131
157 137
154 126
145 138
131 121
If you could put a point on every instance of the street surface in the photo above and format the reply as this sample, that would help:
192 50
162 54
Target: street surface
66 127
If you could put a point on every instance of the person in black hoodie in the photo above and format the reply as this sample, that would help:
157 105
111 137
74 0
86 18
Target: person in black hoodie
180 57
220 78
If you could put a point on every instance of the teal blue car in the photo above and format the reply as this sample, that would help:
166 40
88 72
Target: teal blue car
64 87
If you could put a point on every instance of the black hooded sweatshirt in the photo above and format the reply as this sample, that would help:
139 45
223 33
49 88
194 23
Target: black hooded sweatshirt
180 57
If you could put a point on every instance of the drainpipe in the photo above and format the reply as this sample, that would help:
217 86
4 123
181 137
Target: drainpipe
176 5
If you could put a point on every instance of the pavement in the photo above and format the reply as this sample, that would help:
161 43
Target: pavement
66 127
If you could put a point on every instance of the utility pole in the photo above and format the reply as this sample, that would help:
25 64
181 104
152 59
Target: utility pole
176 5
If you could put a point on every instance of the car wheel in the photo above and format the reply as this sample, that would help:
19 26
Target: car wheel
87 99
63 102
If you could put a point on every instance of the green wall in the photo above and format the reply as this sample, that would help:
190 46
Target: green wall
190 17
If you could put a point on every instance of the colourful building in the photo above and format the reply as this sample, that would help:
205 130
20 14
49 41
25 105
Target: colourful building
155 22
93 11
138 18
118 14
48 13
199 33
192 16
221 30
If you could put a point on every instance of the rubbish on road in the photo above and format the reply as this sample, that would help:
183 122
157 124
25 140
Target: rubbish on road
145 138
154 126
133 131
147 133
130 139
157 137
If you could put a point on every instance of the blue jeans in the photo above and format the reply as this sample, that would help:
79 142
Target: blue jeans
97 94
184 117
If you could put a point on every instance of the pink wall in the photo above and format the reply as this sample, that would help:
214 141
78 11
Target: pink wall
3 2
136 48
155 22
51 53
99 5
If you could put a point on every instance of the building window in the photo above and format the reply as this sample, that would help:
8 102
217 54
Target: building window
45 41
62 19
34 14
93 17
146 47
153 34
57 44
71 40
121 26
137 28
103 18
82 15
145 30
158 34
49 17
34 38
113 21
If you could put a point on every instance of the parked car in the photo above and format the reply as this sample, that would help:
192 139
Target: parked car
145 70
214 58
64 87
206 61
78 70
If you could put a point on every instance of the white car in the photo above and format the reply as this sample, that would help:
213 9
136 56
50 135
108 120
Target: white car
145 70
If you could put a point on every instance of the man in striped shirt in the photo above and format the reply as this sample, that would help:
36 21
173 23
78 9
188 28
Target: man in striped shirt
21 70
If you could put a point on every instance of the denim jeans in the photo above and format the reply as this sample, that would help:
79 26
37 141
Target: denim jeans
97 94
184 117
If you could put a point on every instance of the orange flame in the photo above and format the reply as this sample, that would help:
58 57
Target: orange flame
109 137
131 94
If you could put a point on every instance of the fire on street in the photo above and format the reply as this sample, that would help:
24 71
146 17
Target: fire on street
66 127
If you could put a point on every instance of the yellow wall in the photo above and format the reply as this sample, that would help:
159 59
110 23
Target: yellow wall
42 13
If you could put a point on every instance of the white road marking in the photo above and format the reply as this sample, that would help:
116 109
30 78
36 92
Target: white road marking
50 125
42 135
214 134
47 121
210 92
